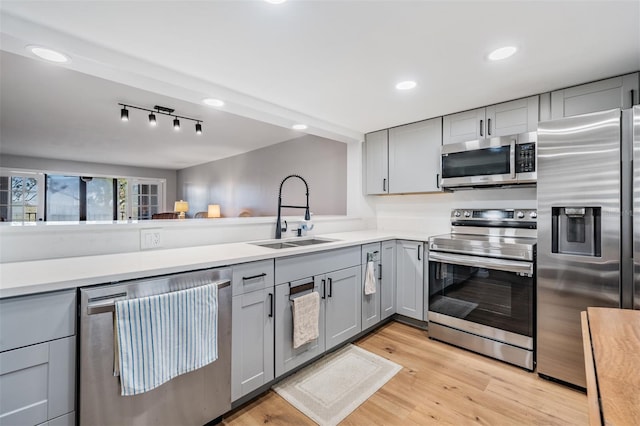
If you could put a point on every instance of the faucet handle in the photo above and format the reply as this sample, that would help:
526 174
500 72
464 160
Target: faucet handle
284 227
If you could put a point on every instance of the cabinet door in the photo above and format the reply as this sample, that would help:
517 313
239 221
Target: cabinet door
510 118
414 157
37 382
252 341
343 306
371 302
388 281
463 126
287 357
409 272
600 95
377 162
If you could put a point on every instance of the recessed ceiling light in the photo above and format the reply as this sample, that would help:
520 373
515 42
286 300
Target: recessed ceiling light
213 102
275 1
406 85
502 53
299 127
48 54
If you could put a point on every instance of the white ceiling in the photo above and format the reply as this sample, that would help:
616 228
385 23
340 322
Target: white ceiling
330 64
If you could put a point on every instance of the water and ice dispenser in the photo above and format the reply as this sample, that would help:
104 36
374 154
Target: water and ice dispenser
576 230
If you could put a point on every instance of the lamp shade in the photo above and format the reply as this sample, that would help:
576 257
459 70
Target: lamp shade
181 206
213 210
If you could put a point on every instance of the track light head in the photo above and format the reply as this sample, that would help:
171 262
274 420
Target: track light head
124 114
198 129
152 119
176 124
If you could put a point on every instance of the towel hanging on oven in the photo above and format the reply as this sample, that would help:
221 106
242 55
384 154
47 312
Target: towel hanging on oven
163 336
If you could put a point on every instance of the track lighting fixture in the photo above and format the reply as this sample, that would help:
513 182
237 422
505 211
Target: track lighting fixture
124 116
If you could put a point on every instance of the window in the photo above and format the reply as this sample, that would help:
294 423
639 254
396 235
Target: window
146 199
21 197
63 198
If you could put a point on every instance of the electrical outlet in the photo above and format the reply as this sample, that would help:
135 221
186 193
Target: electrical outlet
150 238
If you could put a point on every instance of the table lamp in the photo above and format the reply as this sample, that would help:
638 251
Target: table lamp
213 210
181 207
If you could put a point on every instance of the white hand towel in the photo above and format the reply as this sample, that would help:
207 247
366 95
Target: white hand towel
370 280
163 336
306 315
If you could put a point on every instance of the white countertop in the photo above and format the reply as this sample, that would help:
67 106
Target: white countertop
22 278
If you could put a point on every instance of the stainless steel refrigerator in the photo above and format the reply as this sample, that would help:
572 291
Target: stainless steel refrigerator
588 230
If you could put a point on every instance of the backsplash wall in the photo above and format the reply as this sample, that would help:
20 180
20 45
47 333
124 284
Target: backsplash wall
430 213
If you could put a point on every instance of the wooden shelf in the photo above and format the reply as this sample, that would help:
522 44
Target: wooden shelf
611 340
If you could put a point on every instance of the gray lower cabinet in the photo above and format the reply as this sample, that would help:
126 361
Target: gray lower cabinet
388 280
617 92
343 305
286 356
252 330
410 279
371 302
38 359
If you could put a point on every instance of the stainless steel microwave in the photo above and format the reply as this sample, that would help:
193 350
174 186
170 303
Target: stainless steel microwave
505 160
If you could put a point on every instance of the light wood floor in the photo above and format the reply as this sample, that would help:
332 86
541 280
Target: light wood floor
439 384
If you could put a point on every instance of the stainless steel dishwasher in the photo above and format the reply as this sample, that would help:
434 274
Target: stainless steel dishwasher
194 398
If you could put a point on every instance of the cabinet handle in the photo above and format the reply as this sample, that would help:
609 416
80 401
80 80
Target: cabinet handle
379 271
488 126
253 277
330 286
481 127
419 251
271 305
324 289
384 184
438 180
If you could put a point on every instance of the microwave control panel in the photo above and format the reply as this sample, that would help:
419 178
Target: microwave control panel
526 157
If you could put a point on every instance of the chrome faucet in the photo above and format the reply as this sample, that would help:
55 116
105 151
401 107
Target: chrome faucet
307 215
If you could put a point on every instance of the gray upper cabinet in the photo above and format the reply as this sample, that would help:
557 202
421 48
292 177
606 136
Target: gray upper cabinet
388 280
616 92
252 330
410 279
377 162
507 118
463 126
414 157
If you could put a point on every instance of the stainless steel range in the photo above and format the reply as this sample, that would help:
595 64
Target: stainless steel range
482 284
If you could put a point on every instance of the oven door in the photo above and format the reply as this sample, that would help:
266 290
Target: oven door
489 297
480 162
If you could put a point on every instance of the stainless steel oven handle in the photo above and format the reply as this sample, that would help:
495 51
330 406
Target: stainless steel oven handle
483 262
512 158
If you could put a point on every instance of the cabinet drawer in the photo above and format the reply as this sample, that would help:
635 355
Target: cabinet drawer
248 277
307 265
28 320
37 383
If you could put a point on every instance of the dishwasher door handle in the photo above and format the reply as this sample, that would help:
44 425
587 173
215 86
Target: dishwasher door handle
105 304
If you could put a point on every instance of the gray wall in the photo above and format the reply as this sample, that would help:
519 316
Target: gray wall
251 180
94 169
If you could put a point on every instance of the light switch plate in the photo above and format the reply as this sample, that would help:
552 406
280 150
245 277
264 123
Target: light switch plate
150 238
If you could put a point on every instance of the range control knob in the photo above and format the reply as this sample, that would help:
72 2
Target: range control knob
533 215
467 214
457 213
520 215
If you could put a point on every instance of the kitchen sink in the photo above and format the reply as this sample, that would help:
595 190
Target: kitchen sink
293 243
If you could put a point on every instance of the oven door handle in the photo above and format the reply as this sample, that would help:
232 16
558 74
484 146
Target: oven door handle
483 262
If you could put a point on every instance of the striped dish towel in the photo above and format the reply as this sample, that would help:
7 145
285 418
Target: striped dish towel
163 336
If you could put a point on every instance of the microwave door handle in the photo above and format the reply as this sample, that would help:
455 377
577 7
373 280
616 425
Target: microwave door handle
483 262
512 159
